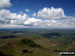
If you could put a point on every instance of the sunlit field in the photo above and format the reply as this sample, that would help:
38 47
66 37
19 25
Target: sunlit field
45 42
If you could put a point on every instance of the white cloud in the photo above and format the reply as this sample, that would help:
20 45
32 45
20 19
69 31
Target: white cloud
34 14
20 12
8 17
32 21
5 3
27 10
54 18
39 23
12 26
51 13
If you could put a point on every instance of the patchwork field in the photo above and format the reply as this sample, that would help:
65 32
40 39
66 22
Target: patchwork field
36 42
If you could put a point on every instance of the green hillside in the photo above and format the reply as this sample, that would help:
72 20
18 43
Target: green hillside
36 43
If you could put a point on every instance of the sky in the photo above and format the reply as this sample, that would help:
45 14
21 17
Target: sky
37 14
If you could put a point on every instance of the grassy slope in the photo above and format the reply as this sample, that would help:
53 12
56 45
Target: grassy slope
47 47
15 46
44 50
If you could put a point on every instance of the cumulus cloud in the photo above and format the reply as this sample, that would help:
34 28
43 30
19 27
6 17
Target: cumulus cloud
20 12
40 23
34 14
32 21
51 13
8 17
5 3
27 10
46 18
52 17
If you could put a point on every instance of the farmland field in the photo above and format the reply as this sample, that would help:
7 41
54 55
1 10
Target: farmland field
36 42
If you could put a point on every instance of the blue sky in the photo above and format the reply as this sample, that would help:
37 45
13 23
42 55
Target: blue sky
35 5
37 13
